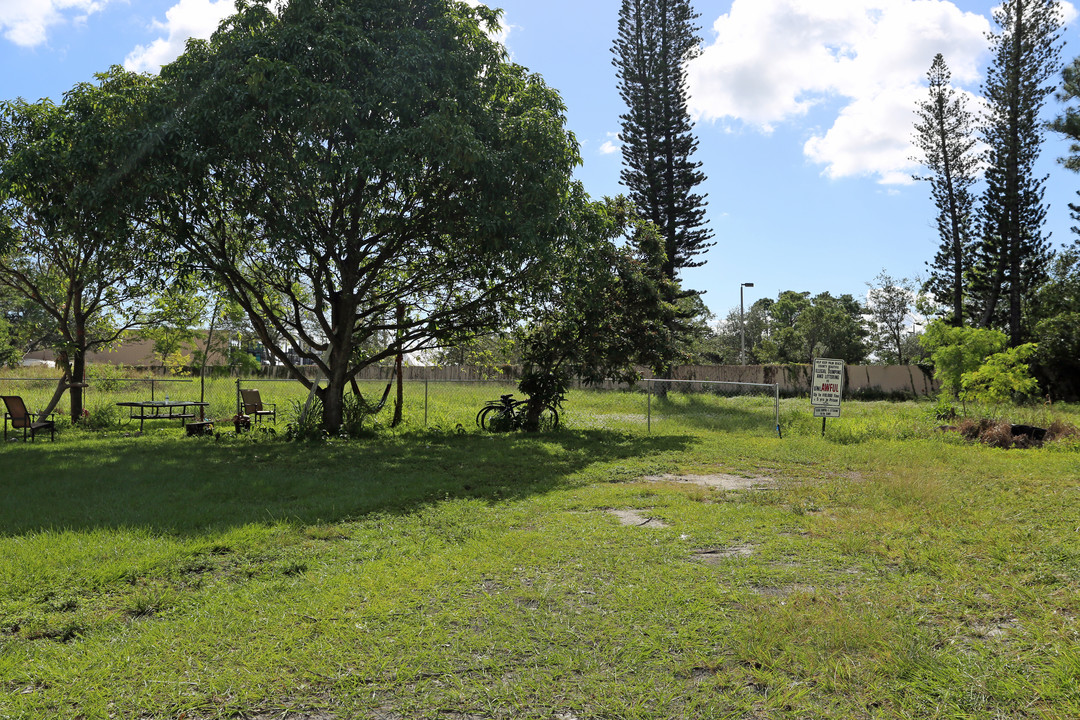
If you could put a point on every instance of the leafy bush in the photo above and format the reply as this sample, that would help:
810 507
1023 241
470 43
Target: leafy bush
959 350
1059 354
102 416
306 426
1004 377
355 410
944 409
545 389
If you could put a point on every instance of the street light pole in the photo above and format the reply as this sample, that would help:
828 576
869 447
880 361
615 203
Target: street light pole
742 323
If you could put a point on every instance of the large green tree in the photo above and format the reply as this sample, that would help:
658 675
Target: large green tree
605 310
889 304
1014 251
69 244
801 327
656 38
1057 327
944 135
336 159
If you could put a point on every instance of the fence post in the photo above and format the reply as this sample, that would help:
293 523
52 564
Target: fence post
238 396
151 389
425 400
776 394
648 412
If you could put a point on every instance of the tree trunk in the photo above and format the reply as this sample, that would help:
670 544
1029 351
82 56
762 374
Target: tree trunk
78 382
206 354
398 362
61 386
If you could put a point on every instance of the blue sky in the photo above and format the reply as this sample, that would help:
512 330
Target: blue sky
804 112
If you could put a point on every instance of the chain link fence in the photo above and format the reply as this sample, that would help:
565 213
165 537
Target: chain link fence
650 406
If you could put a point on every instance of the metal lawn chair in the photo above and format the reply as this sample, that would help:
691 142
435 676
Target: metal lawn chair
253 405
21 418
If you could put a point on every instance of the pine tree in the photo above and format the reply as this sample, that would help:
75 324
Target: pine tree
656 39
1013 251
944 134
1068 124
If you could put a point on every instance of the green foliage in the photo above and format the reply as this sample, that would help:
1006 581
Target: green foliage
172 324
944 135
355 413
485 352
1058 339
801 328
1014 251
409 164
176 363
544 387
10 353
655 42
603 310
889 304
724 346
944 409
1004 377
72 246
107 377
306 425
243 362
959 350
1056 320
103 416
1068 122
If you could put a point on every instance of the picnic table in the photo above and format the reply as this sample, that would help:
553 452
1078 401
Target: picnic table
143 410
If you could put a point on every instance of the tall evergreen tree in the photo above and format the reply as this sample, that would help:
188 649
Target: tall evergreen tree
656 39
944 133
1068 124
1013 251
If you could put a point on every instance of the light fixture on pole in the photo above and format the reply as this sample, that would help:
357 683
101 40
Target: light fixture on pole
742 324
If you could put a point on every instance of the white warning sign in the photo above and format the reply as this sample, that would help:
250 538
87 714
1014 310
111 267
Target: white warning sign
827 385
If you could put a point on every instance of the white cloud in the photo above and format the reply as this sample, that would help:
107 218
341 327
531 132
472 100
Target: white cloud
772 61
611 145
26 22
186 19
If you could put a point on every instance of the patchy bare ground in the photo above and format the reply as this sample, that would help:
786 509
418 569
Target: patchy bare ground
722 481
717 555
635 518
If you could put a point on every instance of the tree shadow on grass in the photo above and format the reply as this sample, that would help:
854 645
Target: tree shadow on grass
193 485
710 412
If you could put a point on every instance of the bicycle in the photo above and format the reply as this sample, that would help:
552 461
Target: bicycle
507 414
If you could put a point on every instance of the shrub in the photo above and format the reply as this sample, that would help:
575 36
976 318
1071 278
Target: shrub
306 426
102 416
959 350
1004 377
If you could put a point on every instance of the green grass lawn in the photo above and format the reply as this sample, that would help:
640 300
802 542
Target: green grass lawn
886 570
